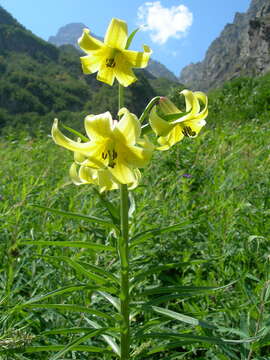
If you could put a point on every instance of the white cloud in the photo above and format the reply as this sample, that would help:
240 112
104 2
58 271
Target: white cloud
163 22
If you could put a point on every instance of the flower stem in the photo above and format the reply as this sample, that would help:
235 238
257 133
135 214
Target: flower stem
123 250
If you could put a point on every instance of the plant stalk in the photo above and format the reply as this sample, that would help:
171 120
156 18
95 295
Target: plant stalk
123 251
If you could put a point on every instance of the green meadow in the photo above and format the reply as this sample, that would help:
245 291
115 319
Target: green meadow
208 199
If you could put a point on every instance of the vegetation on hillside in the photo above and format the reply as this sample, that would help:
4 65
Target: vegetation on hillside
40 82
216 186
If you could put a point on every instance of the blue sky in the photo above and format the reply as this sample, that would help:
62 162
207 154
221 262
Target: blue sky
178 31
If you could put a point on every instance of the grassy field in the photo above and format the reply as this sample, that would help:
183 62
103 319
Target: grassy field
222 207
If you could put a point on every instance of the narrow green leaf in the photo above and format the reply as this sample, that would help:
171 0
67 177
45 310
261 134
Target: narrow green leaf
75 244
63 290
71 345
166 298
109 340
173 117
70 307
141 237
185 289
91 275
113 300
132 204
64 331
34 349
170 346
77 133
183 318
113 210
74 215
85 266
131 36
142 274
197 338
146 128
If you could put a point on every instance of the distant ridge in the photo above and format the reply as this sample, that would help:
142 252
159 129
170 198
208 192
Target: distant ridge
242 49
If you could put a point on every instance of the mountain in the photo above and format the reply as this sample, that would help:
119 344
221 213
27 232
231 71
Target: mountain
40 81
70 33
242 49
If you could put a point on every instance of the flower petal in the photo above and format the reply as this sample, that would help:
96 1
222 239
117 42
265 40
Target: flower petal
116 34
122 172
192 115
128 129
136 156
138 59
99 127
160 126
62 140
106 182
88 175
123 71
192 127
88 43
174 136
168 107
135 183
91 63
74 175
106 74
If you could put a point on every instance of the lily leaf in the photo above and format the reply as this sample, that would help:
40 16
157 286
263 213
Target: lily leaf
74 215
75 132
130 38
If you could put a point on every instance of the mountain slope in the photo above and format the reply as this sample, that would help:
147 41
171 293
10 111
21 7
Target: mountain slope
40 81
70 33
243 48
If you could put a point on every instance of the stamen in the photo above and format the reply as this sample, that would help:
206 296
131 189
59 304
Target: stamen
104 156
187 131
114 155
110 62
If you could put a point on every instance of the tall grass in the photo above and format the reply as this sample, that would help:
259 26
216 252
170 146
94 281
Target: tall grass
217 186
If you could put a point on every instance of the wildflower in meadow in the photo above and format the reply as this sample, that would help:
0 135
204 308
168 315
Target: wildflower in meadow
100 177
171 124
110 58
114 146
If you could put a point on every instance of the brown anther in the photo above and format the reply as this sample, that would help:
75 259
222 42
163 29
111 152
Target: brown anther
187 131
110 62
114 155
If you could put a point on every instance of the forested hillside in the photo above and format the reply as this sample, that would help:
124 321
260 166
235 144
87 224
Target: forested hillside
39 82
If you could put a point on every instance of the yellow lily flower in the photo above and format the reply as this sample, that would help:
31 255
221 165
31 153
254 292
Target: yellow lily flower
114 146
110 58
172 124
102 178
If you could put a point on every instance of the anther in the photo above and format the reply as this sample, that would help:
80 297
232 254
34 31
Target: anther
187 131
114 155
110 62
104 156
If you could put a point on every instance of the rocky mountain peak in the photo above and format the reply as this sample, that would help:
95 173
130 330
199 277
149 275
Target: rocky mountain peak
242 49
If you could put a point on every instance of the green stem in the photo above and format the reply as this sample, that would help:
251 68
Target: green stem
148 108
120 96
123 250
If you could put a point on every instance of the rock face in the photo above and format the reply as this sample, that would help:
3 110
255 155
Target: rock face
242 49
70 33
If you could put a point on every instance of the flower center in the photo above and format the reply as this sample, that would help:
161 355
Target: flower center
111 155
110 62
187 131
